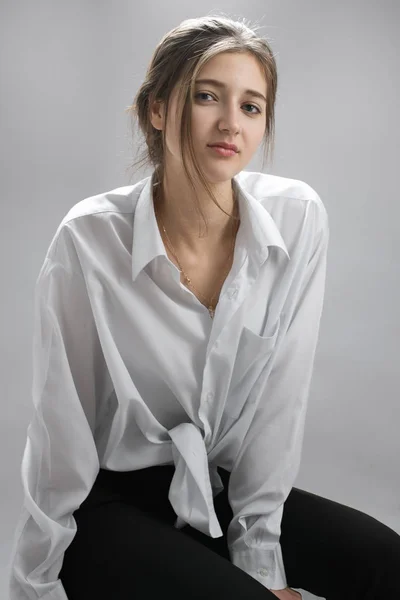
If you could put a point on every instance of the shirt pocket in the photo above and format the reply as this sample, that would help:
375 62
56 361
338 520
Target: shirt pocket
253 353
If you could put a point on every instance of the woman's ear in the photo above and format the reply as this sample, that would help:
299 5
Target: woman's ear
157 114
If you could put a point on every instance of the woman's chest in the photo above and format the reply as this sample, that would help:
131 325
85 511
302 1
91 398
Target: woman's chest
205 277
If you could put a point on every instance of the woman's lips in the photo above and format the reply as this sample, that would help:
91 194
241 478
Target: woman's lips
223 151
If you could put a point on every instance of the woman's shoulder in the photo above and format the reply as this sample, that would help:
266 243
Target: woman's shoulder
264 185
89 221
118 200
290 202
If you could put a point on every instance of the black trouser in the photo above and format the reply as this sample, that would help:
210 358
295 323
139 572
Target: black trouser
127 548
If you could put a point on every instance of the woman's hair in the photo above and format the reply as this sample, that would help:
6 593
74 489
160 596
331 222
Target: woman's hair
178 58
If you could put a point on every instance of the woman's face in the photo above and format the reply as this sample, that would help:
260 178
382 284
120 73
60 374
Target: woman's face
221 113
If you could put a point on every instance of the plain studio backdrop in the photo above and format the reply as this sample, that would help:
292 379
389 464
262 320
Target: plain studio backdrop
68 72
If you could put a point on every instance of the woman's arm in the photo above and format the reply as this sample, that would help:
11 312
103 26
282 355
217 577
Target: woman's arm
60 461
268 461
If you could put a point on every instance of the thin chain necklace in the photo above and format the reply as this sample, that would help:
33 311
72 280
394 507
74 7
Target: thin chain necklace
188 281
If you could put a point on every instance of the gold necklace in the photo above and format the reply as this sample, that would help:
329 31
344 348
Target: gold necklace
211 308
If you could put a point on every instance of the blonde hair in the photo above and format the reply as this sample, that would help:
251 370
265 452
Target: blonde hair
178 58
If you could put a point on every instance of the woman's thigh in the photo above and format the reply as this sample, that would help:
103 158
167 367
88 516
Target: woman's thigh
126 545
336 551
329 549
124 551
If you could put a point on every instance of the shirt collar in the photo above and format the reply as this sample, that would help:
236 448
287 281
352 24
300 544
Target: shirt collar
260 229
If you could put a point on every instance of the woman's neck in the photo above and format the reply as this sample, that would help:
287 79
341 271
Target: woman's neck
183 224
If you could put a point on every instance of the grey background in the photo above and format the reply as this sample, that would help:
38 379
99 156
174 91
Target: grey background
69 70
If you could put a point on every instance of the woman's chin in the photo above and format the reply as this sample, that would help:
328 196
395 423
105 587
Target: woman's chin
218 173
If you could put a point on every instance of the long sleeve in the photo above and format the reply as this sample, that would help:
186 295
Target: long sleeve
267 464
60 460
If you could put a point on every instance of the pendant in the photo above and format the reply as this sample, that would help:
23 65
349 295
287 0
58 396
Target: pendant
211 311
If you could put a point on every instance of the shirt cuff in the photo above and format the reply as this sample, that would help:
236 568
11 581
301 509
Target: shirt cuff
266 566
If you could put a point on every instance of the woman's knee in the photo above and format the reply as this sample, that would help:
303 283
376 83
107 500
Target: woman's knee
384 544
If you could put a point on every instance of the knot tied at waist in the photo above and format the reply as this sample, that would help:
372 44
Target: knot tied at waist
195 482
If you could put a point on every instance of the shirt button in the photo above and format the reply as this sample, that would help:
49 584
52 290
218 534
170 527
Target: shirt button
232 293
209 396
263 572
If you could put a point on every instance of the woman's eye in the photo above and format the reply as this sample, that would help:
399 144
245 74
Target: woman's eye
247 104
203 94
254 106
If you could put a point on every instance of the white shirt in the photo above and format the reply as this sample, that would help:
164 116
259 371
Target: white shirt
130 371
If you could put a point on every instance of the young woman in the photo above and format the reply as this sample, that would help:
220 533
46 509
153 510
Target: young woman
172 367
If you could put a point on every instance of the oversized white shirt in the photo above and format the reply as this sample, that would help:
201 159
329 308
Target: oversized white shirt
130 371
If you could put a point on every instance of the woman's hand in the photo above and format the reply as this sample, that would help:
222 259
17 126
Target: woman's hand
287 594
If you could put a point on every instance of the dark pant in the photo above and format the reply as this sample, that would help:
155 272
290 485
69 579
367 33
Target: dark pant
127 548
